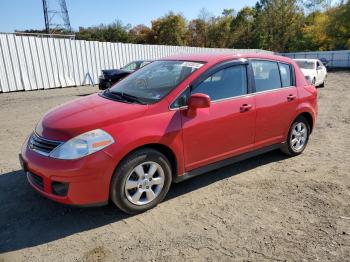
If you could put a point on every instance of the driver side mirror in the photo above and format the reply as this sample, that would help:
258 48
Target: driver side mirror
319 67
198 100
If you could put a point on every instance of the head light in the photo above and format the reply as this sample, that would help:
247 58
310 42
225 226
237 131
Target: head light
83 145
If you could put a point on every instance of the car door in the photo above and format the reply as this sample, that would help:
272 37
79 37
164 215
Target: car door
275 100
226 128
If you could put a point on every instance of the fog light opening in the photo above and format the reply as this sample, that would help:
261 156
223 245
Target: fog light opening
59 188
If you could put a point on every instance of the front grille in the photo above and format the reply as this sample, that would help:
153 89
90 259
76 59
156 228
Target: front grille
41 145
36 180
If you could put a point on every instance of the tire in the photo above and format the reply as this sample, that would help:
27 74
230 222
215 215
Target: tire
297 140
313 81
132 182
323 83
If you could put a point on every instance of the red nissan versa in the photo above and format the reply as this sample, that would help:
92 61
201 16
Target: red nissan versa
176 118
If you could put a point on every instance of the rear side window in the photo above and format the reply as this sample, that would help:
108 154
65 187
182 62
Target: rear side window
286 76
131 66
266 75
226 83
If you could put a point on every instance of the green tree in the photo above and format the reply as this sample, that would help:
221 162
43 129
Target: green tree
278 23
338 28
115 32
197 33
219 31
170 30
314 36
141 34
243 29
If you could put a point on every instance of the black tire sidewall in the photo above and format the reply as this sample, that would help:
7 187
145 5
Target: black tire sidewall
117 192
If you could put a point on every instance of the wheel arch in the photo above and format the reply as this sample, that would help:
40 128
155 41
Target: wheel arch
165 150
309 118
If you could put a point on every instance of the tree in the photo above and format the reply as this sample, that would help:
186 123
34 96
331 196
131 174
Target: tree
338 28
170 30
316 5
141 34
228 12
115 32
197 33
243 29
314 35
278 23
219 31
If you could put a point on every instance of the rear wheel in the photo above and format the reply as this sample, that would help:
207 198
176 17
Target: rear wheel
298 137
141 181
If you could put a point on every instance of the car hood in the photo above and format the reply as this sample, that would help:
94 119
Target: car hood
85 114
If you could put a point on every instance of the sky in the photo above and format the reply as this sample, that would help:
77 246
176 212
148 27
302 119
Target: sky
28 14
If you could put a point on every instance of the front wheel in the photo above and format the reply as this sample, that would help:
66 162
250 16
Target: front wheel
298 137
313 81
141 181
323 83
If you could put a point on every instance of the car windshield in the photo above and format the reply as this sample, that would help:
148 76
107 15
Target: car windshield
154 81
306 64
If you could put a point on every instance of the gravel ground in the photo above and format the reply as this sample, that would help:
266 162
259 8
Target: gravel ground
263 209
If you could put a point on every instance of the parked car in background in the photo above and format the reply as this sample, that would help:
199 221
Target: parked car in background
314 70
109 77
174 119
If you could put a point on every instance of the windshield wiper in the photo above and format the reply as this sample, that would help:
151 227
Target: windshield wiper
108 93
128 97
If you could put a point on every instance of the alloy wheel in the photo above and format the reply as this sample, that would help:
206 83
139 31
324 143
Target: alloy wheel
298 136
144 183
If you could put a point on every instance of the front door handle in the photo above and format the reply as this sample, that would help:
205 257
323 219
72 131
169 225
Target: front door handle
245 107
291 97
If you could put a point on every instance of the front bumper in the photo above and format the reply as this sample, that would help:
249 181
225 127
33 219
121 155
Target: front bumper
86 179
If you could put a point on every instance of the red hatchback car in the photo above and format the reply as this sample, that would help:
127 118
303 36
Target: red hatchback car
176 118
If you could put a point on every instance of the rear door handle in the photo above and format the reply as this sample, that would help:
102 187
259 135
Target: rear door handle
291 97
245 107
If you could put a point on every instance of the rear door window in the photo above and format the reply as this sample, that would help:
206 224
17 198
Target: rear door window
266 75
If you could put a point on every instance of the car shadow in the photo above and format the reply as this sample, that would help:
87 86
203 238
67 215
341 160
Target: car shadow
28 219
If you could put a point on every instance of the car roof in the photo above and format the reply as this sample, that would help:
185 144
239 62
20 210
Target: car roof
306 59
139 61
217 57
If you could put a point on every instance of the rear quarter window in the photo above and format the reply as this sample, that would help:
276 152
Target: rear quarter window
266 75
286 74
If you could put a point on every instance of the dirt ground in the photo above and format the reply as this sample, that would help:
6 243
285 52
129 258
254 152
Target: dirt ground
264 209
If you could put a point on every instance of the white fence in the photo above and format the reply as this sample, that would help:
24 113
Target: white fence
337 59
31 63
